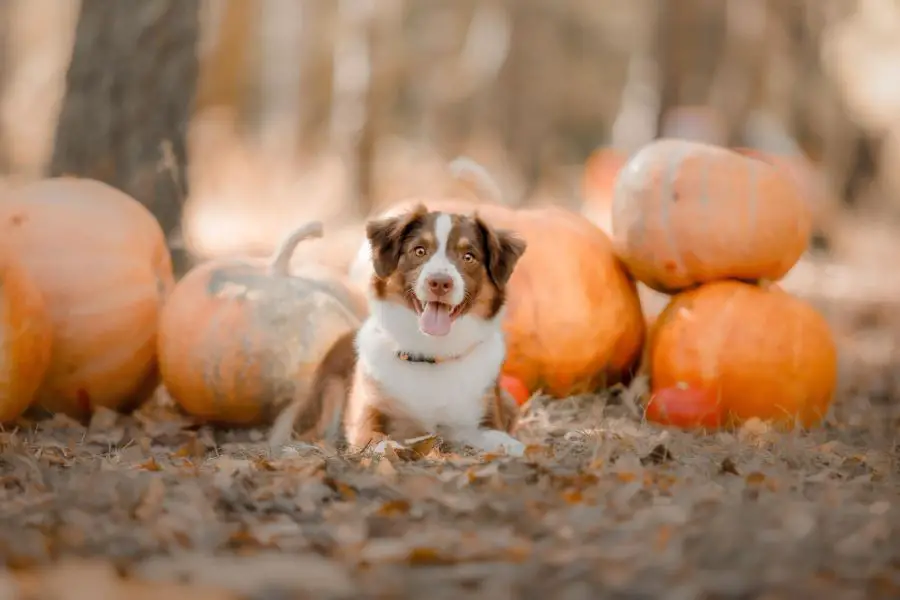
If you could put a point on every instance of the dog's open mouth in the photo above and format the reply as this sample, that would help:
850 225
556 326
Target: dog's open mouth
435 318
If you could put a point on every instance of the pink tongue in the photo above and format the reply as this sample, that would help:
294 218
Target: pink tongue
435 319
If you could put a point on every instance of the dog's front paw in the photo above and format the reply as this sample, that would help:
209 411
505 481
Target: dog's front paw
494 440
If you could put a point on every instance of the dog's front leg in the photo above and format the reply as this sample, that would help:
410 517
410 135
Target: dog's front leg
491 440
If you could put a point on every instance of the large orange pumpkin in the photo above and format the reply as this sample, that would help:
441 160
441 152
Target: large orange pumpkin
100 260
687 213
25 338
573 321
757 350
241 338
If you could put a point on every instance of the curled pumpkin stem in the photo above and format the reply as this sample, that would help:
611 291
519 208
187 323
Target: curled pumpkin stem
473 174
281 259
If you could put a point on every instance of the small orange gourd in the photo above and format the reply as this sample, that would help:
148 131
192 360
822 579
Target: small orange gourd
25 338
240 338
687 213
100 261
755 350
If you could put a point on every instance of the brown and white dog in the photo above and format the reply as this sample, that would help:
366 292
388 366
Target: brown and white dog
428 358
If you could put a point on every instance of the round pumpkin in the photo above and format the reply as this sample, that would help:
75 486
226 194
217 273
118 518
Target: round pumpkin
573 321
25 338
686 213
100 260
240 338
757 350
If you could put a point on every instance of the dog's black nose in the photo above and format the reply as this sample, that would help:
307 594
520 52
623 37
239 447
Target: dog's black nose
440 284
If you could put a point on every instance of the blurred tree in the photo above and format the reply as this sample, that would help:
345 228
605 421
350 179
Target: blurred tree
4 57
690 42
225 79
129 94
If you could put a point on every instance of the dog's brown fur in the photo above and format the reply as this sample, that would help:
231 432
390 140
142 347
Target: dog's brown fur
493 254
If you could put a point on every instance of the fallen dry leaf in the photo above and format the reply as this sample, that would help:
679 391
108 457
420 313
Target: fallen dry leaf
727 466
600 504
152 500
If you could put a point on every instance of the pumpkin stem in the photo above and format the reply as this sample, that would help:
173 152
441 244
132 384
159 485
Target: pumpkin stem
281 259
473 174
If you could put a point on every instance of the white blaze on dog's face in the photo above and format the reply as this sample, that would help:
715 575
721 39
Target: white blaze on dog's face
439 289
442 266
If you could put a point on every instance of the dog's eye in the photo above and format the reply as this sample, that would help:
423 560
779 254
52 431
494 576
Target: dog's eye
419 251
468 257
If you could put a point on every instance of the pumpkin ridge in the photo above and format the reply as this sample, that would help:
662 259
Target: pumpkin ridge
796 348
100 363
668 195
212 368
725 317
136 297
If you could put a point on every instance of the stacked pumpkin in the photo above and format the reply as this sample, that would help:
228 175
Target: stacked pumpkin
714 229
84 270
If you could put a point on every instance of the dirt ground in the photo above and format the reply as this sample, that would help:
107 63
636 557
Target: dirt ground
602 506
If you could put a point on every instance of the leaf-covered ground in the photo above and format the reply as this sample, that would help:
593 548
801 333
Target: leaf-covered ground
152 506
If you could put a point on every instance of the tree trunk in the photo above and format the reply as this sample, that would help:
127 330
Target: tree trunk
689 42
129 94
4 74
226 74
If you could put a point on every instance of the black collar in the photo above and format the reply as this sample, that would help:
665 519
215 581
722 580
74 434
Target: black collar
433 360
418 358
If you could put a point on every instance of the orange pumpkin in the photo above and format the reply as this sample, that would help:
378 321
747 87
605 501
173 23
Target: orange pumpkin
687 213
100 260
240 338
573 320
758 350
25 338
811 185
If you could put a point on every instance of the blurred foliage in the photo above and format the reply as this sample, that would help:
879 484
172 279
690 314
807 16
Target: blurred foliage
531 88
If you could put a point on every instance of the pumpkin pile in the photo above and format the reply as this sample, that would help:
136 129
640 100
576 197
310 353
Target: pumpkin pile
714 228
573 319
84 270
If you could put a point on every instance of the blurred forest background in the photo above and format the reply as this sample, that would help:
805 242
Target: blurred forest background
234 120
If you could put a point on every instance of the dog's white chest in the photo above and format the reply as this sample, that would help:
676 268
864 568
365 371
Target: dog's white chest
448 394
437 395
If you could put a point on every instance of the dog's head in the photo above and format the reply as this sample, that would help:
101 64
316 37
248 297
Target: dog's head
442 266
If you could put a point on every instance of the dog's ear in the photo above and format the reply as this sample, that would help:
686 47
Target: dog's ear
386 237
502 249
